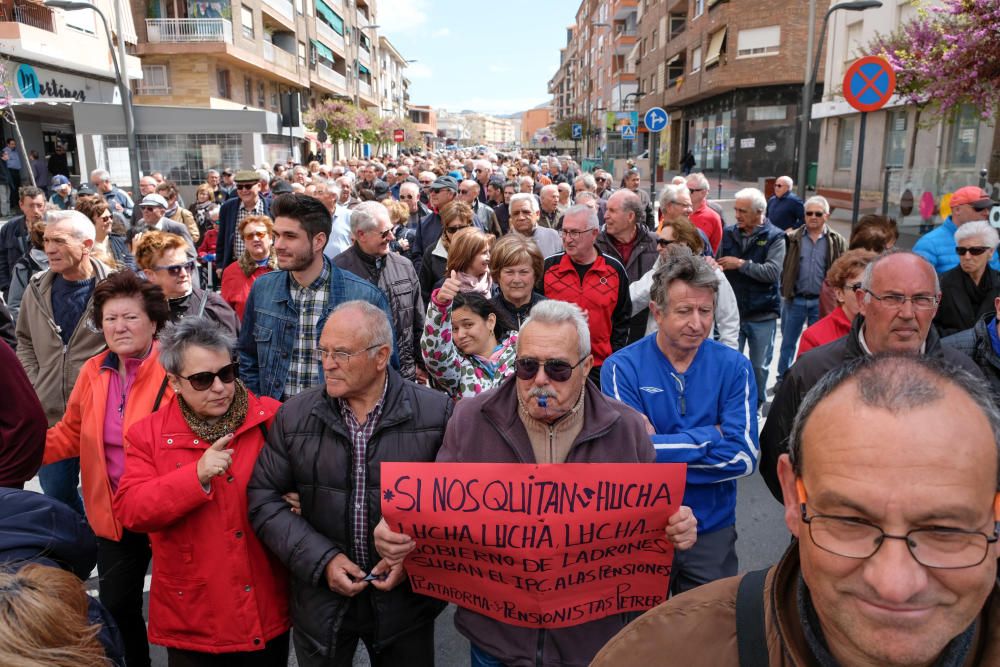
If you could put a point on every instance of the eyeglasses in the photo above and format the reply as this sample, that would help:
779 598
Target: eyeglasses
574 234
345 357
106 216
557 370
175 269
202 381
815 214
452 230
254 235
407 197
384 234
854 287
463 192
975 251
245 186
938 548
663 243
425 183
697 189
920 301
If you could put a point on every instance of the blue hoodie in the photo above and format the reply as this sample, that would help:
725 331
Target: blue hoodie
705 417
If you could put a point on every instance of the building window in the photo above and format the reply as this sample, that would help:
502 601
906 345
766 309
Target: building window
895 138
302 54
845 143
699 8
716 47
776 112
261 96
247 90
964 137
298 6
222 79
654 40
155 80
696 60
246 16
275 100
758 41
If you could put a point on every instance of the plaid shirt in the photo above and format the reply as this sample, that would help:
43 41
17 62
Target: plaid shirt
360 435
239 245
303 367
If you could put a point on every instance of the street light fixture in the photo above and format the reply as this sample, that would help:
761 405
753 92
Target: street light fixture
810 88
123 89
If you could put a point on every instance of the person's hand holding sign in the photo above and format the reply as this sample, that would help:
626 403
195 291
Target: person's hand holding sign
392 547
344 576
682 528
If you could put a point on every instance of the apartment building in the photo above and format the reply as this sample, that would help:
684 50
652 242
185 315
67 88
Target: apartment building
921 157
730 74
55 60
596 79
534 120
490 130
425 120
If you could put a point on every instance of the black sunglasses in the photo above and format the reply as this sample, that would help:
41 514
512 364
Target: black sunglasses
202 381
556 370
975 251
175 269
663 242
814 214
452 230
245 186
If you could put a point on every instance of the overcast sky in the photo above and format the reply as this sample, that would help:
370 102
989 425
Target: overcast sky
491 57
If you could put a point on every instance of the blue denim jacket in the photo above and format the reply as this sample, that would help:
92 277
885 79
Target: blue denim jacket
271 323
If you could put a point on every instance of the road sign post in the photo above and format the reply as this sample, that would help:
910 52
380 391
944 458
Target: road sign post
868 84
655 120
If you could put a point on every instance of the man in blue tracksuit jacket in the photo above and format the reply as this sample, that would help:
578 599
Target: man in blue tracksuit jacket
701 398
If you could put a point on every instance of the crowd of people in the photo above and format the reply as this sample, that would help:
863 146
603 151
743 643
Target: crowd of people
223 380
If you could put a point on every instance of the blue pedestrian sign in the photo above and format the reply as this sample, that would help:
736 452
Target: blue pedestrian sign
577 131
655 119
628 132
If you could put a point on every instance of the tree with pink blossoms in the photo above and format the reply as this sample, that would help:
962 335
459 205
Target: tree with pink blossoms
948 56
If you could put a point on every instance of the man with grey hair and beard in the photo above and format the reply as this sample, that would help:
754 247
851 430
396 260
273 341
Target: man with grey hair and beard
369 258
546 412
707 420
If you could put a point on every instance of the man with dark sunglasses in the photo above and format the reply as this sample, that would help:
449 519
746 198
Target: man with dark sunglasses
248 201
938 245
810 251
546 413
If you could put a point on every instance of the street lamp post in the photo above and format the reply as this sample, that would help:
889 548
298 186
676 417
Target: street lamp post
123 89
810 87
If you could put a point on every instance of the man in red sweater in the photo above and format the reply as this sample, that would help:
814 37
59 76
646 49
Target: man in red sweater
704 216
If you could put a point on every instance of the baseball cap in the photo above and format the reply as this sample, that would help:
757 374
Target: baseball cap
246 176
381 190
59 180
445 183
972 195
153 200
227 172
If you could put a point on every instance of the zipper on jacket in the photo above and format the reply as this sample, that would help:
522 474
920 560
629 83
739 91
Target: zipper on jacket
541 648
552 437
679 379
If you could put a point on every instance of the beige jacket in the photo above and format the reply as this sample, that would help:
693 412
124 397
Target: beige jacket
51 366
185 217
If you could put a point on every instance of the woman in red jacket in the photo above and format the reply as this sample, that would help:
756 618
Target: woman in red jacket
218 597
844 277
258 234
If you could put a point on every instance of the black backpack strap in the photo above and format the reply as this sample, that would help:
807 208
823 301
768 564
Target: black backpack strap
751 636
159 394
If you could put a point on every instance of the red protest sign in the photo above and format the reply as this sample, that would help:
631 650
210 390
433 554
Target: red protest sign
543 546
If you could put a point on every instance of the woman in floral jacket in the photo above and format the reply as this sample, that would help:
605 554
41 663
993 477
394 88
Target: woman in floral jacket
468 347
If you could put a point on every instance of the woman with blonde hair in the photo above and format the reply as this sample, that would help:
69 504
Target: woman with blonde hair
109 248
455 215
44 620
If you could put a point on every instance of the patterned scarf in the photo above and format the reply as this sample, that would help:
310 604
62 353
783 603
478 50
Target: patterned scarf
248 264
227 423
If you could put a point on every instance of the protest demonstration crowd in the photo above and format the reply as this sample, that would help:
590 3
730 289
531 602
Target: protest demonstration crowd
321 402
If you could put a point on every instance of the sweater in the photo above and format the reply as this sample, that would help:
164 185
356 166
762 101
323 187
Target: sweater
705 417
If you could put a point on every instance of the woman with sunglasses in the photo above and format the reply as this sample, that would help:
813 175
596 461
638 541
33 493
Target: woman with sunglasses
681 233
257 259
114 390
968 290
109 248
844 278
468 344
455 216
218 597
164 260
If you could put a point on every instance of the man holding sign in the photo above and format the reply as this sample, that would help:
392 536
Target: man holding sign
547 413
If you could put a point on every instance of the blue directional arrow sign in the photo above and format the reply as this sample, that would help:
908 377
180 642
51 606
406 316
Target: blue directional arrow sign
628 132
655 119
577 130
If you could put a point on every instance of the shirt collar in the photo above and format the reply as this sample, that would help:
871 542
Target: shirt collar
345 408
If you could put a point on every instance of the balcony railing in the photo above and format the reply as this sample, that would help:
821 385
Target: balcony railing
28 13
364 57
330 35
364 89
279 56
283 7
332 76
189 30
